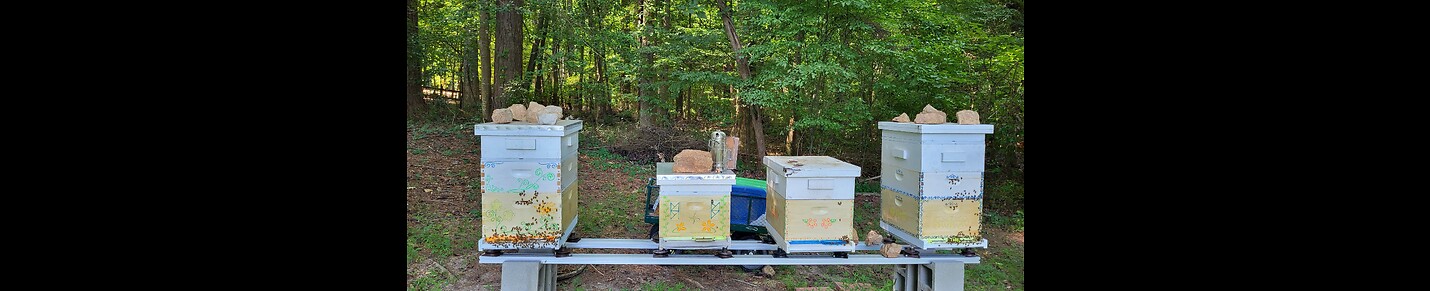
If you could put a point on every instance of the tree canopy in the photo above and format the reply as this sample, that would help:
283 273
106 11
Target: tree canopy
821 73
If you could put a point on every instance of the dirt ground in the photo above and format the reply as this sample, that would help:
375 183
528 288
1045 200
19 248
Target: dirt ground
443 206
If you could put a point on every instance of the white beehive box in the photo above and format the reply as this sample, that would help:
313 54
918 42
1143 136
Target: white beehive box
810 205
694 209
934 147
810 177
529 177
525 141
932 183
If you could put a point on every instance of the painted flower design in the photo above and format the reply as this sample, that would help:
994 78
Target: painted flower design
680 226
495 213
707 226
546 207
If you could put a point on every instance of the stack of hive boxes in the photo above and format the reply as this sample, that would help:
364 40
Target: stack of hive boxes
810 204
528 184
932 182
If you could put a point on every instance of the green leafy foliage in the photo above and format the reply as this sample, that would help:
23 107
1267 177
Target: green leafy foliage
824 71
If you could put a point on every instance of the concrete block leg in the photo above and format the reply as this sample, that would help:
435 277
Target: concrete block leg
520 276
947 276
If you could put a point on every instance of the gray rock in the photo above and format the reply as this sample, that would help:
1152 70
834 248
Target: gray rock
548 118
553 110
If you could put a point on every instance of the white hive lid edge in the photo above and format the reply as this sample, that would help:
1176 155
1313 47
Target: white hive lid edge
695 178
561 128
936 128
811 166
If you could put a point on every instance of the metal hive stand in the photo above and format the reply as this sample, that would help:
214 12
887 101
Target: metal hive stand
537 271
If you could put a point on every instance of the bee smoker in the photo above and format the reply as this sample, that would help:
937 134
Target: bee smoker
718 150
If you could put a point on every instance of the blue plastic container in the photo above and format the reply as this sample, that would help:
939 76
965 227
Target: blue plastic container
746 204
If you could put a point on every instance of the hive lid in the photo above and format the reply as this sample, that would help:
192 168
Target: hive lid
811 166
936 128
665 176
695 179
561 128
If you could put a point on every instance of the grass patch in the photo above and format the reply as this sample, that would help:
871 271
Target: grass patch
433 280
866 187
786 275
1004 196
623 208
468 235
1001 268
576 284
431 238
1012 222
604 160
662 286
411 251
866 218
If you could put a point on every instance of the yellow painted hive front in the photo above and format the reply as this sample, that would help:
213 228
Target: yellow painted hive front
810 221
938 220
695 217
527 220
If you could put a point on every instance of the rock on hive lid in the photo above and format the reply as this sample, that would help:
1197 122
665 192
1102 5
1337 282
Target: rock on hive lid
936 128
561 128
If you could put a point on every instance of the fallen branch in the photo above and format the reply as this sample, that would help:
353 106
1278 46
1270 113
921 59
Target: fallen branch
444 270
697 284
748 283
563 277
872 178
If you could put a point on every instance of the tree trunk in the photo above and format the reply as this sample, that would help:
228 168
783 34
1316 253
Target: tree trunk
484 74
680 106
508 54
664 79
605 97
554 87
642 77
552 66
789 137
472 98
743 67
414 62
535 61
